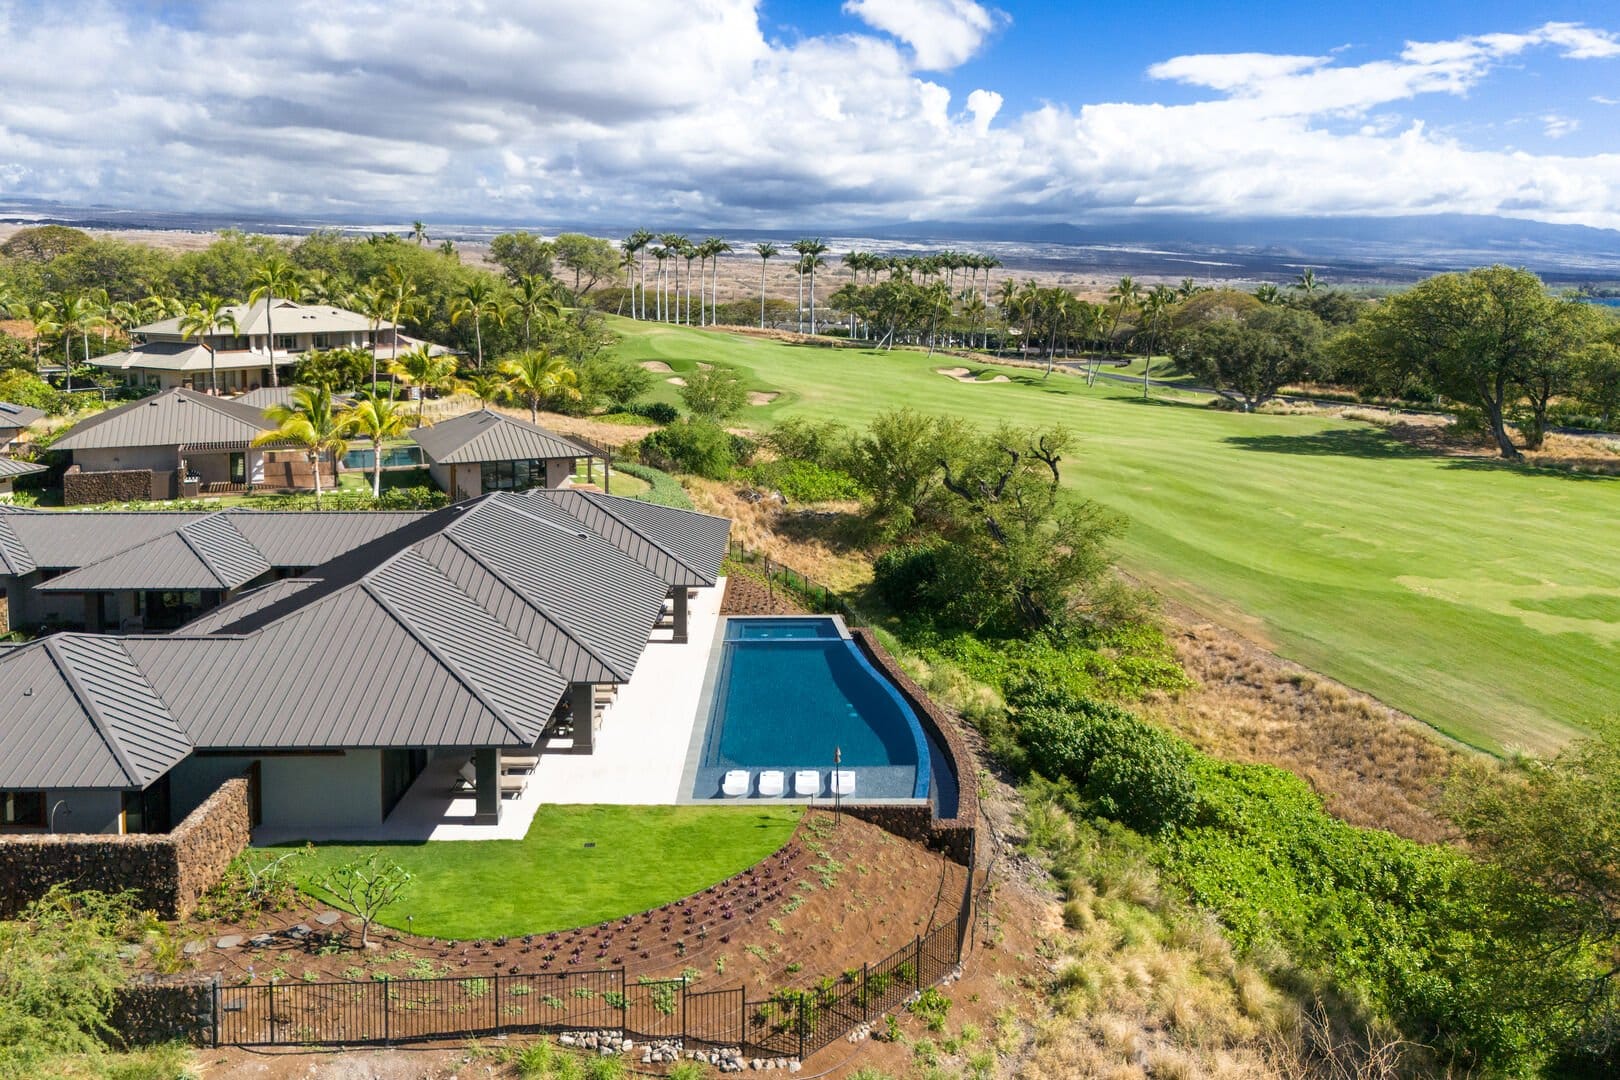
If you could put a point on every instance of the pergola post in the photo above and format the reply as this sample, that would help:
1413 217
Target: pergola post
582 703
487 785
679 635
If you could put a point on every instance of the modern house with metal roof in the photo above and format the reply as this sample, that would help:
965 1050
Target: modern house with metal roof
176 444
485 451
14 420
265 335
482 629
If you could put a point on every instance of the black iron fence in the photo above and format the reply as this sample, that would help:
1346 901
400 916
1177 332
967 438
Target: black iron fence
815 595
791 1023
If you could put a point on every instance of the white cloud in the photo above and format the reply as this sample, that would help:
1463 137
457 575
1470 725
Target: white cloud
647 112
1555 126
942 33
1601 100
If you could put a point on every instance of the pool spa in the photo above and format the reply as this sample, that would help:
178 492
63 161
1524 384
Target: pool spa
785 695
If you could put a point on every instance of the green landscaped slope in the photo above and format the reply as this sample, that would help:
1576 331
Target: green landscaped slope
1481 598
643 856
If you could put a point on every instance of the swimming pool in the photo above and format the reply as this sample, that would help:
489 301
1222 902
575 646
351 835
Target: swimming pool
789 692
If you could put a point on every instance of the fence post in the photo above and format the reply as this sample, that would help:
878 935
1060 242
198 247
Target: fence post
683 1012
866 993
216 1011
800 1025
498 1024
271 1012
916 965
386 1035
742 1017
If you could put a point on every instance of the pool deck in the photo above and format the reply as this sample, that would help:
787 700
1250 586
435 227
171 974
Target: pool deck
641 748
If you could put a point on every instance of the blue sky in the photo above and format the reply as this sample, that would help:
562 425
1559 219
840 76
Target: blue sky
831 111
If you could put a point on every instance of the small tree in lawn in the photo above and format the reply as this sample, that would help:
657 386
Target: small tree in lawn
366 886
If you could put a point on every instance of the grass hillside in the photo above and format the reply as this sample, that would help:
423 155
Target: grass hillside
1481 598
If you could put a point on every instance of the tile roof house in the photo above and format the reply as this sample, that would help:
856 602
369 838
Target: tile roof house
165 357
468 630
484 450
175 444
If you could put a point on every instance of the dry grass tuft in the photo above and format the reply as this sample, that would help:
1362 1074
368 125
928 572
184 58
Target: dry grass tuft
1372 765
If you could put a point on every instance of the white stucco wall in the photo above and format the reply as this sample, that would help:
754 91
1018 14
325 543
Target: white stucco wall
85 810
127 457
295 790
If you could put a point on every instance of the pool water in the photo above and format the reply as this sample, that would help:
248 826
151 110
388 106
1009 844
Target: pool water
790 691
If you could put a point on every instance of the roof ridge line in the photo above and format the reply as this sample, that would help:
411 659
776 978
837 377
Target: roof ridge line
586 495
186 539
545 611
91 710
433 650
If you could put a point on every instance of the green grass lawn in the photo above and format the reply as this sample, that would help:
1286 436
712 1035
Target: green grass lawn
1479 597
550 880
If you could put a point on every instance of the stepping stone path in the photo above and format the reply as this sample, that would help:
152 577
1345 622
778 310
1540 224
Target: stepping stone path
192 948
229 941
261 940
300 931
329 918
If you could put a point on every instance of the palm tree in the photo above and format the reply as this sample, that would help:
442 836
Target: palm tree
659 253
766 253
42 316
418 367
273 277
1268 293
535 374
1122 296
535 298
813 250
635 245
377 418
402 302
478 301
309 421
487 388
1155 310
372 302
1306 282
448 250
689 252
419 233
317 288
718 246
673 243
208 316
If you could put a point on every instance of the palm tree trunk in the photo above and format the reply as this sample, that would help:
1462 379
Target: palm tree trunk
762 264
270 329
315 463
478 335
376 468
812 297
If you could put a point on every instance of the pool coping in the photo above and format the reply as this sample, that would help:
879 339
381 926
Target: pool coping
705 705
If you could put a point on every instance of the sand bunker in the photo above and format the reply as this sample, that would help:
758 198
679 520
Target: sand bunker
675 380
963 375
761 397
656 365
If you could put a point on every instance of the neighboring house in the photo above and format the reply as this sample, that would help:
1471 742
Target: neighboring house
10 469
465 631
14 420
164 357
156 570
486 451
177 444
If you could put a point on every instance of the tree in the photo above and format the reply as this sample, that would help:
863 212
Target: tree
418 367
589 257
377 417
714 393
1155 317
766 253
521 255
1553 371
207 317
717 246
478 300
487 388
400 291
1598 385
335 369
273 277
1123 296
810 252
1551 831
1306 282
635 247
42 243
308 420
536 375
1471 337
374 303
419 232
613 379
365 886
897 461
1254 356
534 298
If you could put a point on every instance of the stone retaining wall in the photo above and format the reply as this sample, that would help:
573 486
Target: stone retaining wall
80 488
954 836
160 1009
168 872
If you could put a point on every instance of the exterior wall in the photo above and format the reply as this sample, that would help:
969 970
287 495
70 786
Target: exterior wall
81 488
558 470
168 872
127 458
295 790
158 1008
290 470
458 481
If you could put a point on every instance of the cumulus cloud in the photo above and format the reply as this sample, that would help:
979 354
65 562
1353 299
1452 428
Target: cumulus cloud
942 33
1555 126
647 112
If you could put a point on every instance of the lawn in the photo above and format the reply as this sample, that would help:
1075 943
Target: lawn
1478 597
577 865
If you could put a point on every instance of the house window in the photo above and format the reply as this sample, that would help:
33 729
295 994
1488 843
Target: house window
238 468
513 475
320 341
22 809
286 342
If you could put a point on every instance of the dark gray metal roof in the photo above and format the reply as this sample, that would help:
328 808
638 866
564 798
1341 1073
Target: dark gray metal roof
172 418
11 467
18 416
14 556
62 539
76 712
163 562
301 538
245 604
681 546
491 436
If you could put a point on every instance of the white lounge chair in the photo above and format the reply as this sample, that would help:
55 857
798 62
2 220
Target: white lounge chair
510 785
735 784
843 782
807 783
519 762
772 782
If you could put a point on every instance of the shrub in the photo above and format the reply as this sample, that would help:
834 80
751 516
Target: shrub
665 490
23 388
693 446
821 442
743 449
713 393
903 575
804 481
613 380
659 412
1127 769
